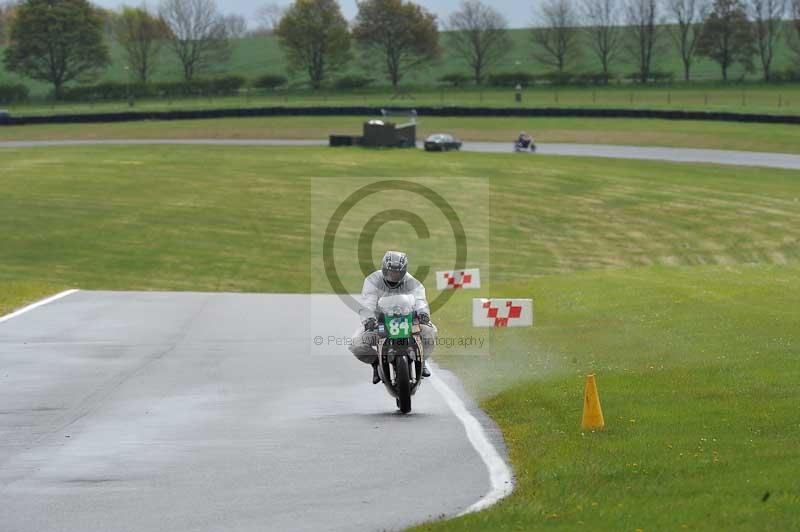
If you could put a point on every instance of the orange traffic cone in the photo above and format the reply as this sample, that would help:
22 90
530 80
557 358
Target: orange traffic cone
592 413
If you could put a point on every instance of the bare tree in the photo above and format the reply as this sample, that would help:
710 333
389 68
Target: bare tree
603 31
767 18
479 36
794 36
557 34
7 12
642 17
198 34
140 35
268 17
4 24
236 26
688 17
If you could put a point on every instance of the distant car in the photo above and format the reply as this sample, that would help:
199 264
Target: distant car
442 142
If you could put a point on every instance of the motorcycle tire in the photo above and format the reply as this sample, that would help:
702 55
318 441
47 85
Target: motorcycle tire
403 384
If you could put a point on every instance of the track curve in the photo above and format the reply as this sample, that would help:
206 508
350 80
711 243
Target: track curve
198 412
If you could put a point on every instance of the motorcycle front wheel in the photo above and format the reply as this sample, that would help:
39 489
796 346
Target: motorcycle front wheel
403 384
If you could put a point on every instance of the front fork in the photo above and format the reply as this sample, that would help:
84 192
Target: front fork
383 361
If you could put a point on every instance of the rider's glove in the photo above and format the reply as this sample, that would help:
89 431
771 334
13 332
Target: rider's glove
371 324
424 319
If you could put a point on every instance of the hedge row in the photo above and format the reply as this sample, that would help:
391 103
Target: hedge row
526 79
13 93
114 90
421 111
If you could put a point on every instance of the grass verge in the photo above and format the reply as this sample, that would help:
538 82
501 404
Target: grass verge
15 295
696 370
753 98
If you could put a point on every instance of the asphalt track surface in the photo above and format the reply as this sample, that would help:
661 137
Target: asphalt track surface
189 411
682 155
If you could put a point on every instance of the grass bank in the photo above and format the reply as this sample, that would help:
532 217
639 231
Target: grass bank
214 218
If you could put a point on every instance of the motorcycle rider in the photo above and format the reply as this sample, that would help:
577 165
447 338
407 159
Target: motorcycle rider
392 279
524 140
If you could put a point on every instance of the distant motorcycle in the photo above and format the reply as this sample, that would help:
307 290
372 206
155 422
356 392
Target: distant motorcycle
524 145
400 350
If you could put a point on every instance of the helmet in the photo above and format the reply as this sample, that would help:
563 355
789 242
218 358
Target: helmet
523 134
394 267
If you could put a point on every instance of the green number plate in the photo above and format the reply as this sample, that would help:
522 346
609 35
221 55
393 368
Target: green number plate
398 327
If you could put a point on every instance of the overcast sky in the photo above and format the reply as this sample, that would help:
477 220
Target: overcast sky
517 13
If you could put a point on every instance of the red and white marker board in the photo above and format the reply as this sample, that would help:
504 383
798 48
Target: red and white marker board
454 280
502 312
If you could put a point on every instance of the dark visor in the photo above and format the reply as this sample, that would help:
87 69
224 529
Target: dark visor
394 277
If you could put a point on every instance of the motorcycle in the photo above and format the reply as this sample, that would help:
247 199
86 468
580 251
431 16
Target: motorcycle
524 145
400 349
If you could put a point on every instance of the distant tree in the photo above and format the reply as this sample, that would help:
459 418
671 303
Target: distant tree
727 36
268 17
57 41
7 10
645 34
403 33
198 34
603 31
556 33
794 36
479 36
236 26
108 17
141 36
688 17
3 26
767 16
315 37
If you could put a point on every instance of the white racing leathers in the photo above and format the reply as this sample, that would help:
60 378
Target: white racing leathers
364 342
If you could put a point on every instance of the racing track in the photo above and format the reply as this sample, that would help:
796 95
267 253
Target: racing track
195 412
681 155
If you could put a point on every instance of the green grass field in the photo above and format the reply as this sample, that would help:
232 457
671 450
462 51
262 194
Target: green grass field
686 134
676 284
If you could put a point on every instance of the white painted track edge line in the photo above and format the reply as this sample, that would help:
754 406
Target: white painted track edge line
37 304
500 477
